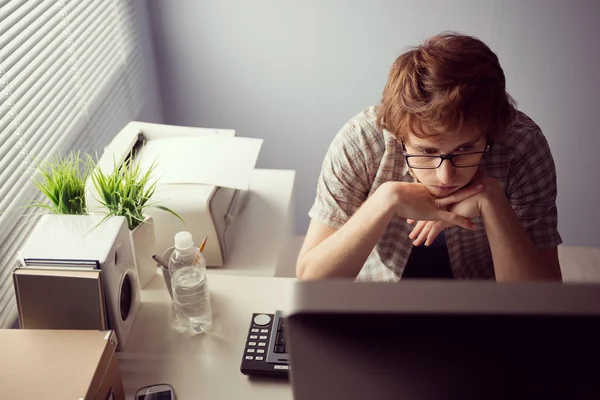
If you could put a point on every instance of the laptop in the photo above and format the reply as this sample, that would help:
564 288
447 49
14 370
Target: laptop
441 340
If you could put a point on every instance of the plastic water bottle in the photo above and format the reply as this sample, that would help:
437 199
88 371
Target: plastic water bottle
189 285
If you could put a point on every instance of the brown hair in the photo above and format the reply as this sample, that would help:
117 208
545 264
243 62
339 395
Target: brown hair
449 83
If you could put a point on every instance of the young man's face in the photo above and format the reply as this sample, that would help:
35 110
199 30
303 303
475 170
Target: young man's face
446 179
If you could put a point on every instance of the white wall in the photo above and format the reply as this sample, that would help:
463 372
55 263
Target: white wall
293 72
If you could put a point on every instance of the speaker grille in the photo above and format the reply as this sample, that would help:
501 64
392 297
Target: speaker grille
125 297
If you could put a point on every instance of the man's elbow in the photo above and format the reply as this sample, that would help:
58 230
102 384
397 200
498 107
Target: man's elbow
303 270
299 270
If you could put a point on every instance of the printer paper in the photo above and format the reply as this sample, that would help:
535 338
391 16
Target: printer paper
212 159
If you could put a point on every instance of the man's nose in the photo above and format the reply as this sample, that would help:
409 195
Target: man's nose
445 173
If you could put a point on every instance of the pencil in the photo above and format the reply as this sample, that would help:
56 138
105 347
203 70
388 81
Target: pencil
203 244
160 261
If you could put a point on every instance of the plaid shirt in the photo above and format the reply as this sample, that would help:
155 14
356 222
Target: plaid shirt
361 158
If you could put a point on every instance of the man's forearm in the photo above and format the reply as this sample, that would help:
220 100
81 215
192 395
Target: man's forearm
344 253
515 256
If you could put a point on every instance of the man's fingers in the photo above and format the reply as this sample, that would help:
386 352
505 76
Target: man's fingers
456 220
410 221
424 233
435 230
460 195
417 230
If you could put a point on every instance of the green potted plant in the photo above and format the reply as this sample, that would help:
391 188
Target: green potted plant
127 191
61 180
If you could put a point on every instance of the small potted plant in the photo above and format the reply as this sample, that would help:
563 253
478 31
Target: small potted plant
61 180
127 191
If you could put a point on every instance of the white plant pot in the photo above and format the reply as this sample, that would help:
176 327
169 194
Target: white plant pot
143 244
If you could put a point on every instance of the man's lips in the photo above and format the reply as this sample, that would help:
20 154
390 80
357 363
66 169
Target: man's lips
443 191
445 188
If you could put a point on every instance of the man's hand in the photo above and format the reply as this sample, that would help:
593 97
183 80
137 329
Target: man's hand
414 201
470 207
427 231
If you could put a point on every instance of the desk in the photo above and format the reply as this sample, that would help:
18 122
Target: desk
205 366
579 263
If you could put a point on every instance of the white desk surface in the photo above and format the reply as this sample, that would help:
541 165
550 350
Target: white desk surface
263 229
205 366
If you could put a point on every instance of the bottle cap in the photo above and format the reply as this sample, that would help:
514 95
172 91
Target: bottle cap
183 240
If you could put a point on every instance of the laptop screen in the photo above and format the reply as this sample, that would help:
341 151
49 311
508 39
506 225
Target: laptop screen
412 356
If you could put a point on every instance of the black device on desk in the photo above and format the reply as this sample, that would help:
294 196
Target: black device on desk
265 352
163 391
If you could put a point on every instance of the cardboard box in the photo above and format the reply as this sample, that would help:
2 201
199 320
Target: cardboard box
59 365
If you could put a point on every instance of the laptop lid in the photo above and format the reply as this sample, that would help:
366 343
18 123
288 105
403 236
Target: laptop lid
443 340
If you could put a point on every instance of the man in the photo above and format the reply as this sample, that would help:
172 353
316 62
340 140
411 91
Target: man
443 179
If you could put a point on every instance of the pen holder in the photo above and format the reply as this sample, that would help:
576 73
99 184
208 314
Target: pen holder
165 272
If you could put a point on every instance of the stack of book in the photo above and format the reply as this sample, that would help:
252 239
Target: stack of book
60 294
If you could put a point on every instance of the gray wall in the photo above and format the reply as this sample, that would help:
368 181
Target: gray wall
292 72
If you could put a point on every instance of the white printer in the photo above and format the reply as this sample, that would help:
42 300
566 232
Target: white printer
207 190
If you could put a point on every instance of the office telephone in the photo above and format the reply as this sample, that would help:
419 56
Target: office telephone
265 352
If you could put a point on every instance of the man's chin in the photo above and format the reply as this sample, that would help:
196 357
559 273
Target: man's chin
439 191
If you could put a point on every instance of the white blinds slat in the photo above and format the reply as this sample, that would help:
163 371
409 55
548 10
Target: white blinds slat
48 56
72 7
59 74
34 28
105 75
12 142
100 60
6 130
98 52
11 16
111 120
10 217
27 84
45 46
62 142
91 46
8 7
79 15
82 18
45 91
97 30
135 76
129 26
135 73
8 135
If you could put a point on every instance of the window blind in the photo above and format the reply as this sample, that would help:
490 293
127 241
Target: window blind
71 77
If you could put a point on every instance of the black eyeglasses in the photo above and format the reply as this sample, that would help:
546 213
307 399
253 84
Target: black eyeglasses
460 160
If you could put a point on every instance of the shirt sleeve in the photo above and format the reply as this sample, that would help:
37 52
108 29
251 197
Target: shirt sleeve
531 190
344 180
